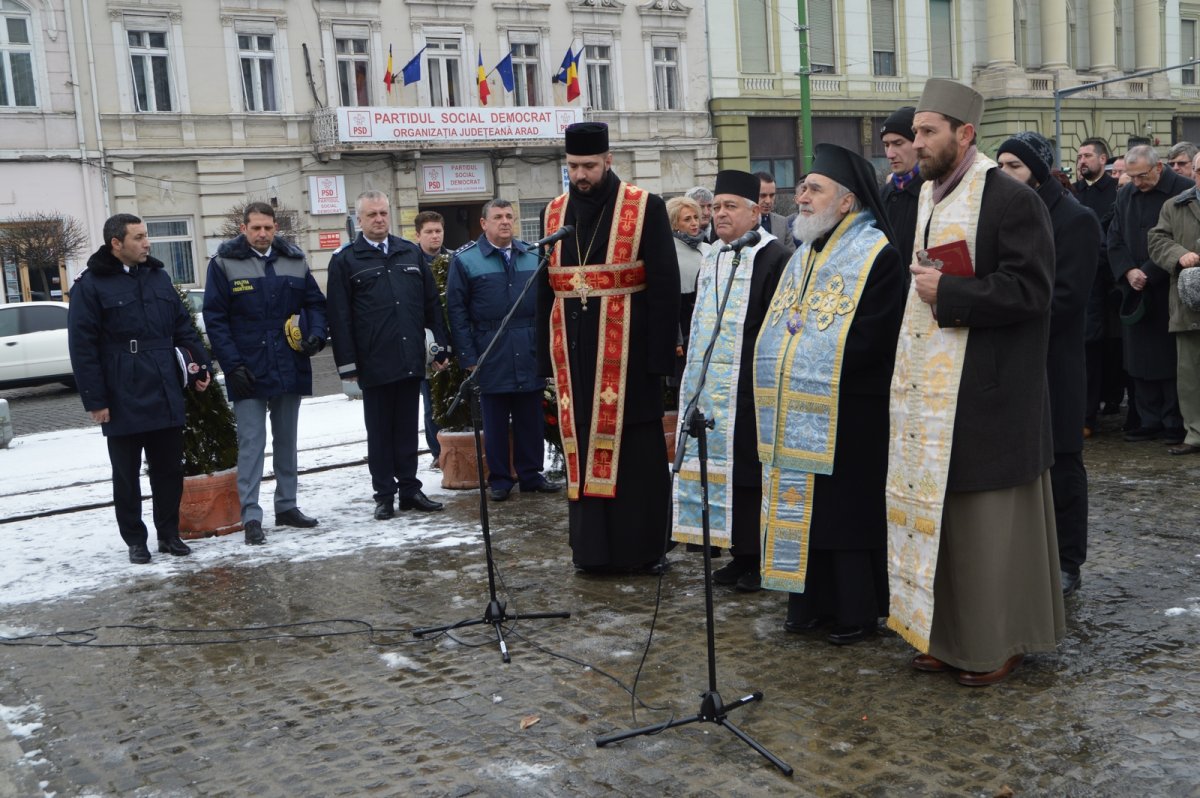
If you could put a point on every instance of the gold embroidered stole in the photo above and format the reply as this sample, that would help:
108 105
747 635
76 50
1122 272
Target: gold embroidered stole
924 400
612 282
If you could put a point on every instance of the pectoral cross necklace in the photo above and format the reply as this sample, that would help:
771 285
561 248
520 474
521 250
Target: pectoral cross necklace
579 281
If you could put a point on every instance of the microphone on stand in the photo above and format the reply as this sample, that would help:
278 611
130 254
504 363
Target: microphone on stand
748 240
556 236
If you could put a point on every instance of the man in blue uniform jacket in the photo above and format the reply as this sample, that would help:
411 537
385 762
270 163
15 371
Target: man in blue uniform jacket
486 277
382 297
133 348
255 284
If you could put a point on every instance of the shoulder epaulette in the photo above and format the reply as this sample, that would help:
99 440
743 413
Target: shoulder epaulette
465 247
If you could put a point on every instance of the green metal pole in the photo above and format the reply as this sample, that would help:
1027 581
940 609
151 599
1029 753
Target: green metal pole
805 87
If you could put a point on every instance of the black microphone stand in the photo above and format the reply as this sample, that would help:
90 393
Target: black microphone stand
495 615
712 708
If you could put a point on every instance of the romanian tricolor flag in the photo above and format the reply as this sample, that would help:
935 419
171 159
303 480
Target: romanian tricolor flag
568 73
388 77
484 91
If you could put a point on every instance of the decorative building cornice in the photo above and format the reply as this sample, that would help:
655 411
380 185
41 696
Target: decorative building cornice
672 8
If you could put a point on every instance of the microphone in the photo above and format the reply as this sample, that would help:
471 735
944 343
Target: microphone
557 235
748 240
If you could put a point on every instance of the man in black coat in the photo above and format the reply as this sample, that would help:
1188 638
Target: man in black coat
903 187
1149 348
133 348
1097 190
1029 157
620 497
382 296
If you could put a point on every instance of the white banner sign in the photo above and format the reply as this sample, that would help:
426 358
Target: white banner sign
448 125
327 194
454 178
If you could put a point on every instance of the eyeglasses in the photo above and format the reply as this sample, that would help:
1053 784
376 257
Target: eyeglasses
1140 175
1181 164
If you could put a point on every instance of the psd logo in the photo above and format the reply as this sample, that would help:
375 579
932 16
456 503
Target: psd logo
359 124
564 120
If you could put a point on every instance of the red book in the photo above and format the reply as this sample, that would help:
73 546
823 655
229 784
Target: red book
953 259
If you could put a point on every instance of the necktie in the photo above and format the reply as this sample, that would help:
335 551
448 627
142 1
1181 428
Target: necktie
507 255
382 245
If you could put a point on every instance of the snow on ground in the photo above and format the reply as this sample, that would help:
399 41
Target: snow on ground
76 554
21 721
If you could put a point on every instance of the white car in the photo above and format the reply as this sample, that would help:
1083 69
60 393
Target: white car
195 297
33 344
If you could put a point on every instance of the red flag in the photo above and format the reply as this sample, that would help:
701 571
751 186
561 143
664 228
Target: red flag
573 76
388 77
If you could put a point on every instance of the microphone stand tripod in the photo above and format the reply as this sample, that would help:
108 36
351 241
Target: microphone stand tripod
712 708
495 615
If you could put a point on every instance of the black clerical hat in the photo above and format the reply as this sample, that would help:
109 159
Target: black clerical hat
738 183
587 138
855 173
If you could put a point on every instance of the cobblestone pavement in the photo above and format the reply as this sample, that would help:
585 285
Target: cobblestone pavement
45 408
1116 712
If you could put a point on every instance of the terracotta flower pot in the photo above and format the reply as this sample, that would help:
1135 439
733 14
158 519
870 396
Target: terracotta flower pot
458 460
670 432
210 505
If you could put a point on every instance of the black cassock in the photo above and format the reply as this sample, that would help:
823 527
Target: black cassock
631 529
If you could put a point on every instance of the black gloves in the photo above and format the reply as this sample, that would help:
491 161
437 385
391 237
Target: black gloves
312 344
240 382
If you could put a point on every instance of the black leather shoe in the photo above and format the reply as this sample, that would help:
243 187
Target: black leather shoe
173 546
294 517
254 534
385 509
845 635
1143 434
545 486
1173 436
656 567
803 627
139 554
419 501
499 494
730 573
1070 583
749 582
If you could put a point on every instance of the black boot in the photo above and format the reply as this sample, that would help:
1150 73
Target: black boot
173 545
254 534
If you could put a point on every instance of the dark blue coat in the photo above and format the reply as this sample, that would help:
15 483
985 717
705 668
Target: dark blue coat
248 300
379 308
480 290
122 331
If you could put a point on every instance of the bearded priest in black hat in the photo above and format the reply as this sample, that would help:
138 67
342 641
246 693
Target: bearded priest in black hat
735 476
973 568
822 372
608 320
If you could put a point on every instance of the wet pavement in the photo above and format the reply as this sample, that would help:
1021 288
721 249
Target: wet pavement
1116 712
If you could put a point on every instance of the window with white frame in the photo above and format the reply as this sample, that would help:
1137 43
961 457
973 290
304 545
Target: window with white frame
444 58
531 219
171 242
256 56
941 39
883 37
598 64
17 84
526 67
353 67
1187 50
665 55
150 62
822 56
754 34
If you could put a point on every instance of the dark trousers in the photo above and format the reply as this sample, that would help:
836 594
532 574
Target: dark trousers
164 455
847 587
1157 404
745 539
390 412
524 411
1068 479
1105 377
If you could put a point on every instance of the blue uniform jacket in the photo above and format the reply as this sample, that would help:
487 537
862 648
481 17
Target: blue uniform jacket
480 289
122 332
379 308
247 301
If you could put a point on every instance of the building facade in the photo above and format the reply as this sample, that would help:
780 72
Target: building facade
187 110
868 57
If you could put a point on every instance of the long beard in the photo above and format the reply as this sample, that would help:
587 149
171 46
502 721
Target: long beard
940 164
811 228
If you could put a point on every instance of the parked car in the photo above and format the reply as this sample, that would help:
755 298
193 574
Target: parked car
33 344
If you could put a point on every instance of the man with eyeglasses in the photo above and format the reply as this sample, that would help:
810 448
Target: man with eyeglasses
1180 158
1149 349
